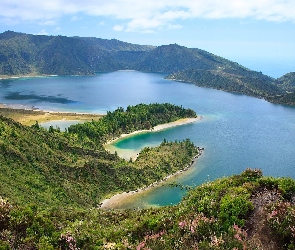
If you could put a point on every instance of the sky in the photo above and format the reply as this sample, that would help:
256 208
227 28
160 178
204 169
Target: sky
255 33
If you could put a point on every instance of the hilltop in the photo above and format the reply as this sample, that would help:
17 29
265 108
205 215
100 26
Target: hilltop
27 54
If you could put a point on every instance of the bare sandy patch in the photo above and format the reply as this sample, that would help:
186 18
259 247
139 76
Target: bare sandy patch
30 116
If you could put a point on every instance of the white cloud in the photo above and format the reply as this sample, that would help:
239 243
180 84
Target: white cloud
48 22
57 29
118 28
142 15
75 18
42 32
174 26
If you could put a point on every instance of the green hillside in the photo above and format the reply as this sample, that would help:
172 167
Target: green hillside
237 79
53 168
174 58
246 211
24 54
52 183
243 81
287 81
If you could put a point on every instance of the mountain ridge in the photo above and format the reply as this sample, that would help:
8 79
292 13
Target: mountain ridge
25 54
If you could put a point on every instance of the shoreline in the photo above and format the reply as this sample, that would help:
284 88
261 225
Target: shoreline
157 128
29 115
7 77
117 199
133 155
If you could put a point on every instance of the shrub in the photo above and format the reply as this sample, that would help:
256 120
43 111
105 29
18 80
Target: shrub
286 187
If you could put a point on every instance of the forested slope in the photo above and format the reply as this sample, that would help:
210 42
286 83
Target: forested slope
287 81
238 80
24 54
53 168
51 183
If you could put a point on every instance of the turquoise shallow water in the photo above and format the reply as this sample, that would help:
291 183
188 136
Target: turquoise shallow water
236 131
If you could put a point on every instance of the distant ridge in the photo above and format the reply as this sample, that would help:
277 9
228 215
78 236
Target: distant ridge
25 54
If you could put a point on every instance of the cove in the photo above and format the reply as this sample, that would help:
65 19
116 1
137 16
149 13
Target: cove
236 131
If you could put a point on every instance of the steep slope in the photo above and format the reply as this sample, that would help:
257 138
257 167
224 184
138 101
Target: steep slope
173 58
53 168
22 54
287 82
17 54
246 211
237 79
65 55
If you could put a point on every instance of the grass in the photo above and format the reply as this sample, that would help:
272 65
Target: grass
29 117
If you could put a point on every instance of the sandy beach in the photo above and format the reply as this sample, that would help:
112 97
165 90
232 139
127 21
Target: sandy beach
29 116
160 127
129 153
119 198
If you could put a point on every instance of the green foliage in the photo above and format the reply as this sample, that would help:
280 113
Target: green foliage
53 168
287 187
55 183
281 218
22 54
232 78
139 117
233 208
281 215
287 81
211 216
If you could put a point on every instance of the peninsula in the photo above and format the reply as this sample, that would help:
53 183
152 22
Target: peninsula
52 184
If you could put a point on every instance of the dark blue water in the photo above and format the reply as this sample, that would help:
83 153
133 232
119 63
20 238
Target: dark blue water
236 131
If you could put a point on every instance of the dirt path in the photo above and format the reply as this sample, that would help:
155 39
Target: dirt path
259 233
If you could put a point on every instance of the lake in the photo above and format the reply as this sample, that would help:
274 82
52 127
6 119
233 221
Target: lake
236 131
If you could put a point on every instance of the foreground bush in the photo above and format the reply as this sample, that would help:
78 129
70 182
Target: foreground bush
214 215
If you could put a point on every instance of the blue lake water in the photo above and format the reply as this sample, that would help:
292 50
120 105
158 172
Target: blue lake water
61 124
236 131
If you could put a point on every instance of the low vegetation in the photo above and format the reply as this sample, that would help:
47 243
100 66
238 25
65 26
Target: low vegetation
52 183
215 215
72 168
139 117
